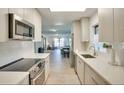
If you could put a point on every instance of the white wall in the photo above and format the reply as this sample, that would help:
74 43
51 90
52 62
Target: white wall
13 50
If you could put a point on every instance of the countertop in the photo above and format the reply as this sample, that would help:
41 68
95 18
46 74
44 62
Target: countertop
100 64
13 78
37 55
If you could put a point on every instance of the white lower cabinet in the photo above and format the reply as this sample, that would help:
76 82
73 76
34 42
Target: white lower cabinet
47 68
75 64
92 78
25 81
80 69
87 75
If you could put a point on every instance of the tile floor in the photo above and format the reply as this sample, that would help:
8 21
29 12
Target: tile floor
60 71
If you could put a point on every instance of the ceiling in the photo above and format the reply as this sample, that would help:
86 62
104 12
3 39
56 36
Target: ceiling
49 19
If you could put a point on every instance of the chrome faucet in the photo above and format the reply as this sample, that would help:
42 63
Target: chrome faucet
94 53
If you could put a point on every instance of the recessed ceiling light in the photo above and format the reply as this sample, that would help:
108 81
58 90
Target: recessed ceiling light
62 9
54 30
59 24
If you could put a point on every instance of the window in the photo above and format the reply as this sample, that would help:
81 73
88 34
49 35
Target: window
98 45
61 42
56 42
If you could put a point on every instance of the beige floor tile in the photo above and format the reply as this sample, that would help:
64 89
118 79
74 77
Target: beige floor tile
60 71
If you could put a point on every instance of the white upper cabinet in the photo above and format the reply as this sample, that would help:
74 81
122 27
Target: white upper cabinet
3 24
85 33
28 14
106 24
31 15
38 25
25 13
18 11
119 24
111 22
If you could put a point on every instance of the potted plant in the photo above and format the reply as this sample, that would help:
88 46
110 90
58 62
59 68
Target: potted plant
107 46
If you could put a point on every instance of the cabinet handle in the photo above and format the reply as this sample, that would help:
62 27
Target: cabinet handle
94 81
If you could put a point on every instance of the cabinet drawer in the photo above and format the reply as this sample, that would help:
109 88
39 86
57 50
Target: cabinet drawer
91 77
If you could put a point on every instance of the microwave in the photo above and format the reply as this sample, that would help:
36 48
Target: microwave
19 28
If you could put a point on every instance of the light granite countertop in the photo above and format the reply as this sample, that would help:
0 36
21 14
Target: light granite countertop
13 78
100 64
37 55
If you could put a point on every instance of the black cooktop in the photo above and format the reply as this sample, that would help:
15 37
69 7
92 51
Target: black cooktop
23 64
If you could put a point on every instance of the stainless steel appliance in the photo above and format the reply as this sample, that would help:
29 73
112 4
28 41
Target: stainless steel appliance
20 28
37 73
35 67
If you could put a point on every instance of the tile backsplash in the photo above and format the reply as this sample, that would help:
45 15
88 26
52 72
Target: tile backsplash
13 50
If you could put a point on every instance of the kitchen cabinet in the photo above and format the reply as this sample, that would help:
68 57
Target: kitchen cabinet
80 69
3 24
14 78
111 24
85 33
18 11
75 63
76 30
25 81
92 78
106 24
47 68
119 24
28 14
38 25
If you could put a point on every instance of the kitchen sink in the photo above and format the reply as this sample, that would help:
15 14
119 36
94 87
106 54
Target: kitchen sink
87 56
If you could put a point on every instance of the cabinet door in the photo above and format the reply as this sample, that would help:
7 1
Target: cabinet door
88 78
81 73
25 81
78 66
47 68
28 14
119 24
106 24
80 70
3 24
38 25
18 11
85 33
92 78
75 63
